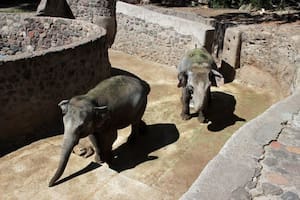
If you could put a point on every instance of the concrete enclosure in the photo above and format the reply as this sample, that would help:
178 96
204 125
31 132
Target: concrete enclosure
42 61
266 59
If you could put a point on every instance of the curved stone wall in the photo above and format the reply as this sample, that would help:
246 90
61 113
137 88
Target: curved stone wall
44 60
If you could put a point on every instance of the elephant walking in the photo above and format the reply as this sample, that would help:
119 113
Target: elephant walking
113 104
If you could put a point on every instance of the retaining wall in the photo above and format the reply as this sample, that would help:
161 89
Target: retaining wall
158 37
34 81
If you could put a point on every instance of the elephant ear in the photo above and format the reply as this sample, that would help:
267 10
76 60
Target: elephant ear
216 78
101 112
64 106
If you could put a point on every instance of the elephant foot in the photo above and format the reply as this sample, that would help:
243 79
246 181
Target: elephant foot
83 151
185 116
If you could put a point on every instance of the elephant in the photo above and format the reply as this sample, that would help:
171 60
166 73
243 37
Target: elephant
113 104
197 71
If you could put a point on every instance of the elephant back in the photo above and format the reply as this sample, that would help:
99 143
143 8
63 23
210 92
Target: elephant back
196 57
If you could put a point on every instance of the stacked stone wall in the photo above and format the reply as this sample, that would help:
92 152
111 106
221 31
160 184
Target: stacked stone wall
88 9
158 36
28 35
269 57
150 41
33 83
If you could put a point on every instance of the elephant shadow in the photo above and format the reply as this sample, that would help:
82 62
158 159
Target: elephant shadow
129 155
220 111
156 136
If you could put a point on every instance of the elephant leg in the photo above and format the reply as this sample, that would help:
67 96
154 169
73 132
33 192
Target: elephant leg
202 114
95 141
136 129
106 146
103 145
185 100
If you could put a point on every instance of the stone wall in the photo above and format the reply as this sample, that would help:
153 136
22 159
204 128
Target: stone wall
33 83
150 41
269 56
28 35
88 9
100 12
158 37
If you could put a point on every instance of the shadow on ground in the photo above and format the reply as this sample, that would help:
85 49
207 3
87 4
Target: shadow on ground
129 155
221 111
88 168
9 146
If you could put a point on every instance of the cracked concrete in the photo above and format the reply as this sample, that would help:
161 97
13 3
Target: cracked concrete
260 161
280 167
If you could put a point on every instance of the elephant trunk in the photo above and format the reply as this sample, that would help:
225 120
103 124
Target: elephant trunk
69 143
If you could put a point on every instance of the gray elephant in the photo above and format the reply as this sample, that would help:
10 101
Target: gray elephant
114 103
197 71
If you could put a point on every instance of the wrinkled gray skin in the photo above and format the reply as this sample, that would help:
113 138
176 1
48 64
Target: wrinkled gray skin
113 104
196 73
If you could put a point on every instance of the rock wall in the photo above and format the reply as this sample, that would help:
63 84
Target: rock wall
158 37
150 41
269 57
100 12
28 35
33 83
88 9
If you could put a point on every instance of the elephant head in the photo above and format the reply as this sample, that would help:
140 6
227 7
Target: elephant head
196 82
80 118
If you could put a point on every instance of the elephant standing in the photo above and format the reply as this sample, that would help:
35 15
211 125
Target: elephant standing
196 73
113 104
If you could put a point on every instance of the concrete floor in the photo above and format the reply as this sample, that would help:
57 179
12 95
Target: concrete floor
161 165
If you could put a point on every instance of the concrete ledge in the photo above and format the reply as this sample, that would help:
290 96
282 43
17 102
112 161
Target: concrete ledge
236 163
202 33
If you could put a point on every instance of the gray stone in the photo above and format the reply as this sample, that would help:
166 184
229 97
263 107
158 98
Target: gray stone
240 194
270 189
270 161
290 196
